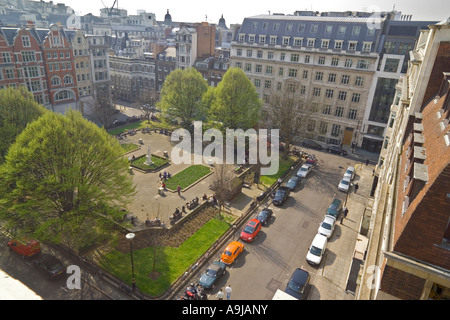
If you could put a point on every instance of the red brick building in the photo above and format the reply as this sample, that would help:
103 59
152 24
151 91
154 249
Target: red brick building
42 60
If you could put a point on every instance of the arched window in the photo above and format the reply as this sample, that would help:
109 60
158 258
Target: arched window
68 79
56 81
63 95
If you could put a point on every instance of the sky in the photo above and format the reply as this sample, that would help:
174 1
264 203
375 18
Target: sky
234 11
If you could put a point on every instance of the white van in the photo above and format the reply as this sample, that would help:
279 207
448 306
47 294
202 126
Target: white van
317 249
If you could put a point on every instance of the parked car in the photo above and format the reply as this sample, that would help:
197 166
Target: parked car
281 195
326 227
264 216
304 170
344 184
293 183
212 273
335 208
25 246
311 144
231 252
50 266
298 284
350 173
337 150
251 230
317 249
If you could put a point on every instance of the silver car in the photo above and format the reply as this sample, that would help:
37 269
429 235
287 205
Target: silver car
350 172
344 185
304 170
327 226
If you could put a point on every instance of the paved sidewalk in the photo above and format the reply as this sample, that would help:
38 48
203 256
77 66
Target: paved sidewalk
334 276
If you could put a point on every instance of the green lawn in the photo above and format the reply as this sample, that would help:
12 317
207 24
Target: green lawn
139 125
172 262
187 177
157 162
285 164
128 147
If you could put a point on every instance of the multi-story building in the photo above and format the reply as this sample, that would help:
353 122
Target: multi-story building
60 69
332 58
22 62
194 42
398 39
213 68
132 78
165 63
408 256
83 70
99 48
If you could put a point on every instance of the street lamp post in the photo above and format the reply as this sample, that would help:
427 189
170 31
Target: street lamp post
130 236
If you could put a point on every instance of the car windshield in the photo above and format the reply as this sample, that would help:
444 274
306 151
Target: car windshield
315 251
303 169
262 214
345 182
227 253
349 171
295 287
55 266
326 225
211 272
248 229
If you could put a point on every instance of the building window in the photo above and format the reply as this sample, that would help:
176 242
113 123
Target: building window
239 52
367 46
307 58
345 79
359 81
302 89
286 41
63 95
68 80
311 43
329 93
248 67
268 69
251 38
332 77
56 81
341 30
325 44
362 64
305 74
348 63
321 60
26 41
298 42
391 65
314 28
282 56
335 130
258 68
316 92
270 55
273 40
339 112
257 83
293 73
319 76
338 44
352 45
356 97
301 28
259 54
356 30
326 109
295 57
342 95
323 127
352 114
334 61
267 84
249 53
280 71
262 39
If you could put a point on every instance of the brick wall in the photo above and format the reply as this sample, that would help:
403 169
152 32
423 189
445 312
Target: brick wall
401 284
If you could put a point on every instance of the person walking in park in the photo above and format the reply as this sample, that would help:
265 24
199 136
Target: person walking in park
219 295
179 190
228 291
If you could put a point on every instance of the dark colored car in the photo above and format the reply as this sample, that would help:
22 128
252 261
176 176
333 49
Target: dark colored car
293 183
298 284
264 216
311 144
281 195
335 208
336 150
50 266
212 273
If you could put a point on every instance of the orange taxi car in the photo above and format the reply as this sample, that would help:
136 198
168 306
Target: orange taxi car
231 252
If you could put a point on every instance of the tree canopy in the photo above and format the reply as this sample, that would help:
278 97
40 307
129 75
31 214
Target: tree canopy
17 109
181 96
236 103
62 177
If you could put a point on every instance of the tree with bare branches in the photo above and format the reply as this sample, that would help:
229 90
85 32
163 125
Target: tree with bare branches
223 183
289 111
147 102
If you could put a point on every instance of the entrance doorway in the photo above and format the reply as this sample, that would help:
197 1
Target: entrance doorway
348 134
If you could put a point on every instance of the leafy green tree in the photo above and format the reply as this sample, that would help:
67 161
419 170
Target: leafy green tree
64 178
236 103
181 96
17 109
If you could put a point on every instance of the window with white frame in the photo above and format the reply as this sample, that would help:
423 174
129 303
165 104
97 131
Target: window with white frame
319 76
325 44
341 30
352 45
332 77
339 112
356 30
329 93
334 61
367 46
56 81
241 37
310 43
286 41
356 97
345 79
293 73
251 38
26 41
273 39
314 28
342 95
352 114
338 44
298 42
321 60
262 39
348 63
359 81
307 58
